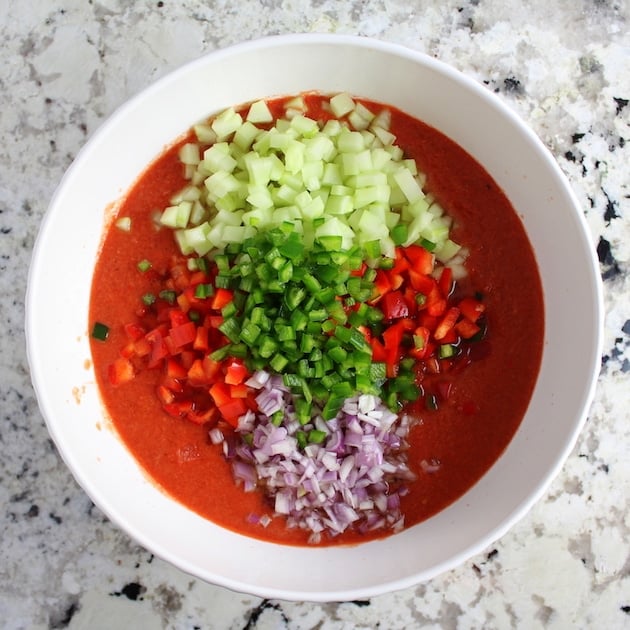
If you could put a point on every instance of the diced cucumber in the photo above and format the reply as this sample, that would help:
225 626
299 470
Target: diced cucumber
189 153
226 123
341 104
259 113
346 178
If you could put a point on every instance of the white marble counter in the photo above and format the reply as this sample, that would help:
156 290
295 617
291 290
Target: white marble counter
563 65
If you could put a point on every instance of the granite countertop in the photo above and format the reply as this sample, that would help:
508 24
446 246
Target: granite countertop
562 65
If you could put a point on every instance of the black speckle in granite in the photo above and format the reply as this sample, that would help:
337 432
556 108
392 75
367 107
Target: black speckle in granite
626 327
168 600
360 602
25 467
160 4
259 610
465 19
63 620
513 86
576 137
5 230
605 468
590 65
492 554
610 213
611 267
33 511
570 156
17 498
132 591
625 609
620 103
55 518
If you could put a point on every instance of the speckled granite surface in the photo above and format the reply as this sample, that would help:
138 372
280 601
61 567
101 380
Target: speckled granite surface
563 65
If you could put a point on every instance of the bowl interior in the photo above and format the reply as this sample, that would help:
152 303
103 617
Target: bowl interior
68 244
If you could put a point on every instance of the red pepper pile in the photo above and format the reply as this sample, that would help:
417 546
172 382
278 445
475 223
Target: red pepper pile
178 330
176 334
418 309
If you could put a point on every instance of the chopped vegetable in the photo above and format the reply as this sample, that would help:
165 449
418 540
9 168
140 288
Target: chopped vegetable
100 331
343 177
350 472
311 305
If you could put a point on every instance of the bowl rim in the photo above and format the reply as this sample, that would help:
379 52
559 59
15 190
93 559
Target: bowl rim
392 49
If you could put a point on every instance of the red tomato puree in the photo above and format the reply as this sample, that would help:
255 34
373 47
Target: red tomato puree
466 436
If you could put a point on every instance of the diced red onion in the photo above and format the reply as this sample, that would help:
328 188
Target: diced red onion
354 478
216 435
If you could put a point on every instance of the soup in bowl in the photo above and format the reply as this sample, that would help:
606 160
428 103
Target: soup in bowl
318 338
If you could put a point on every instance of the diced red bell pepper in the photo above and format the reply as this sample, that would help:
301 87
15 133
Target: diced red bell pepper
392 339
436 303
201 340
235 372
121 371
165 395
234 411
177 317
422 261
201 417
471 309
446 323
198 277
196 375
174 369
401 264
179 408
221 298
445 281
421 336
159 349
220 393
186 358
382 285
180 276
421 283
175 385
378 350
183 334
451 337
134 331
466 328
211 368
239 391
394 305
213 321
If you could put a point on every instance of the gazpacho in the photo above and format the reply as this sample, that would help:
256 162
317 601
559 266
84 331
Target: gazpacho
316 320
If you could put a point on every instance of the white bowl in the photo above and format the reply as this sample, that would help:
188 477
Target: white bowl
68 243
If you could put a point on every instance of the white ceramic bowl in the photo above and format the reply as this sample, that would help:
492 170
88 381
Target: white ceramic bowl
66 249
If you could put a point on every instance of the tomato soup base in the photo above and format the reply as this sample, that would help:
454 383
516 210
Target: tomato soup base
450 447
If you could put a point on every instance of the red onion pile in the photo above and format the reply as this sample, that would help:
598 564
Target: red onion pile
354 478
